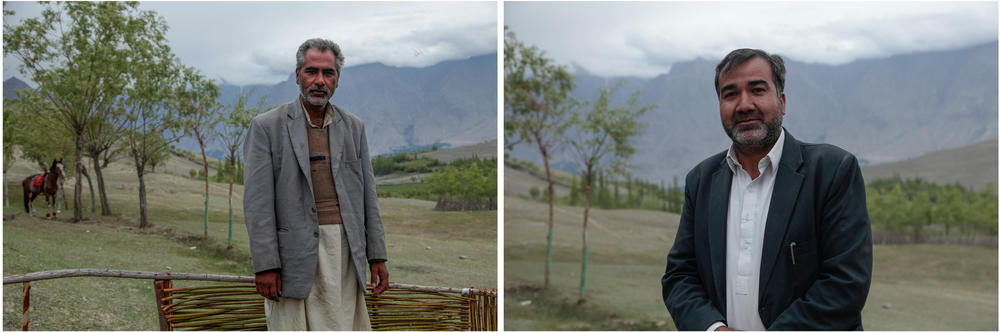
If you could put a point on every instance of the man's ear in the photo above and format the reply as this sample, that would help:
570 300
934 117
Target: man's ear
781 102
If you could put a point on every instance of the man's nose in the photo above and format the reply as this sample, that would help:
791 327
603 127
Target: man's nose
745 103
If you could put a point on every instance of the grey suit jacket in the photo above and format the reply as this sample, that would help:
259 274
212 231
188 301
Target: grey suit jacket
278 201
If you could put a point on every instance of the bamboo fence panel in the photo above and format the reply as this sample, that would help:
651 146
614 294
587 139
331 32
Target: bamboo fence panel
239 307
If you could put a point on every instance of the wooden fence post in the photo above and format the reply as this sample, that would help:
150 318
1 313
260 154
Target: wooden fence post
159 285
25 306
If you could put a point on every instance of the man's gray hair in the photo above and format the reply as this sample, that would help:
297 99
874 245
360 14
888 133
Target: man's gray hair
322 45
737 57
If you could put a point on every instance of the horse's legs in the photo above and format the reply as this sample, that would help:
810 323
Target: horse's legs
54 206
31 205
48 207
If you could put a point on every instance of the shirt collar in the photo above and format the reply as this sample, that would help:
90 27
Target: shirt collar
773 157
328 114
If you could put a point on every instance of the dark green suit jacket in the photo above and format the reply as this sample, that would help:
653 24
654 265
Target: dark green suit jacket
819 203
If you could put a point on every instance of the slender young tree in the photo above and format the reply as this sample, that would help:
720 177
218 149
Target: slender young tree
604 141
232 134
197 102
151 121
536 109
75 52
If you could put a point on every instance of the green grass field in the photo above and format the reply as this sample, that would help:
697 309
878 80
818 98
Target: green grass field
925 287
426 247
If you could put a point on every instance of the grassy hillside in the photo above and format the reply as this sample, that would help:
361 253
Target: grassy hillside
972 166
424 247
923 287
484 150
519 183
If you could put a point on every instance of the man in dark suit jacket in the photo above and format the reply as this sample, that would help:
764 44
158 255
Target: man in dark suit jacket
808 247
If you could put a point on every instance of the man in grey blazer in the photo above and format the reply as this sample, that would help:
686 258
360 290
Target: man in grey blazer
309 201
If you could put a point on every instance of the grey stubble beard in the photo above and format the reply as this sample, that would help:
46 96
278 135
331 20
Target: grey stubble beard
752 144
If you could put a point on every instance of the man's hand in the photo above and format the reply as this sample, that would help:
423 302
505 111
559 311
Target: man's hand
269 284
380 277
725 328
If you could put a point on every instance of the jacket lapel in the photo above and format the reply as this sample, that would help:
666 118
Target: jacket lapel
336 133
786 192
300 142
718 208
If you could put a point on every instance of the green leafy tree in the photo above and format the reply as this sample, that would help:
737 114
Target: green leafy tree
12 138
101 146
236 124
983 214
604 140
196 101
472 185
536 109
663 195
152 122
617 202
675 197
951 206
76 53
629 192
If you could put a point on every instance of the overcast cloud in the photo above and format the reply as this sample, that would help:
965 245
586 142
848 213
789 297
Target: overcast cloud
644 39
255 42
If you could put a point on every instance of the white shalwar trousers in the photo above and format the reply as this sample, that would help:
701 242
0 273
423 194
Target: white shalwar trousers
335 303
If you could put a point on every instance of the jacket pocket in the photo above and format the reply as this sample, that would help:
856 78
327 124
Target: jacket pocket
351 174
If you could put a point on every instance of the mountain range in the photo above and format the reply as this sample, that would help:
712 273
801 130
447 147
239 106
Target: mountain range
452 103
882 110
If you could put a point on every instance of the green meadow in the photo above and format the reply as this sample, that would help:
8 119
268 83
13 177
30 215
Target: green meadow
914 286
426 247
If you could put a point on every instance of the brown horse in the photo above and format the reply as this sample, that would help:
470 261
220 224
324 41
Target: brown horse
49 186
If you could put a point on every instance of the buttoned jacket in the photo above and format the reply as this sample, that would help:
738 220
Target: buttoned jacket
278 201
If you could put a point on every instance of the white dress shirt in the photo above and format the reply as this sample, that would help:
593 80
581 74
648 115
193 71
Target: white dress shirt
749 202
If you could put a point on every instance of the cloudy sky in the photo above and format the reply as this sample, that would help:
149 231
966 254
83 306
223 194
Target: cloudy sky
255 42
645 38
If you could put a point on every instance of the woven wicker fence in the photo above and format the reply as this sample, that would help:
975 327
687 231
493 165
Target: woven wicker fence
235 304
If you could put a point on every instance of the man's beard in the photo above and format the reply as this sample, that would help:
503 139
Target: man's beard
757 135
306 93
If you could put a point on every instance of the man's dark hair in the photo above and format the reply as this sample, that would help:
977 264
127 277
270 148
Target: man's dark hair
737 57
322 45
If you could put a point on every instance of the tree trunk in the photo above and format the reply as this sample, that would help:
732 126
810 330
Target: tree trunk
105 207
232 172
6 198
78 189
90 185
548 175
586 215
143 219
204 163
